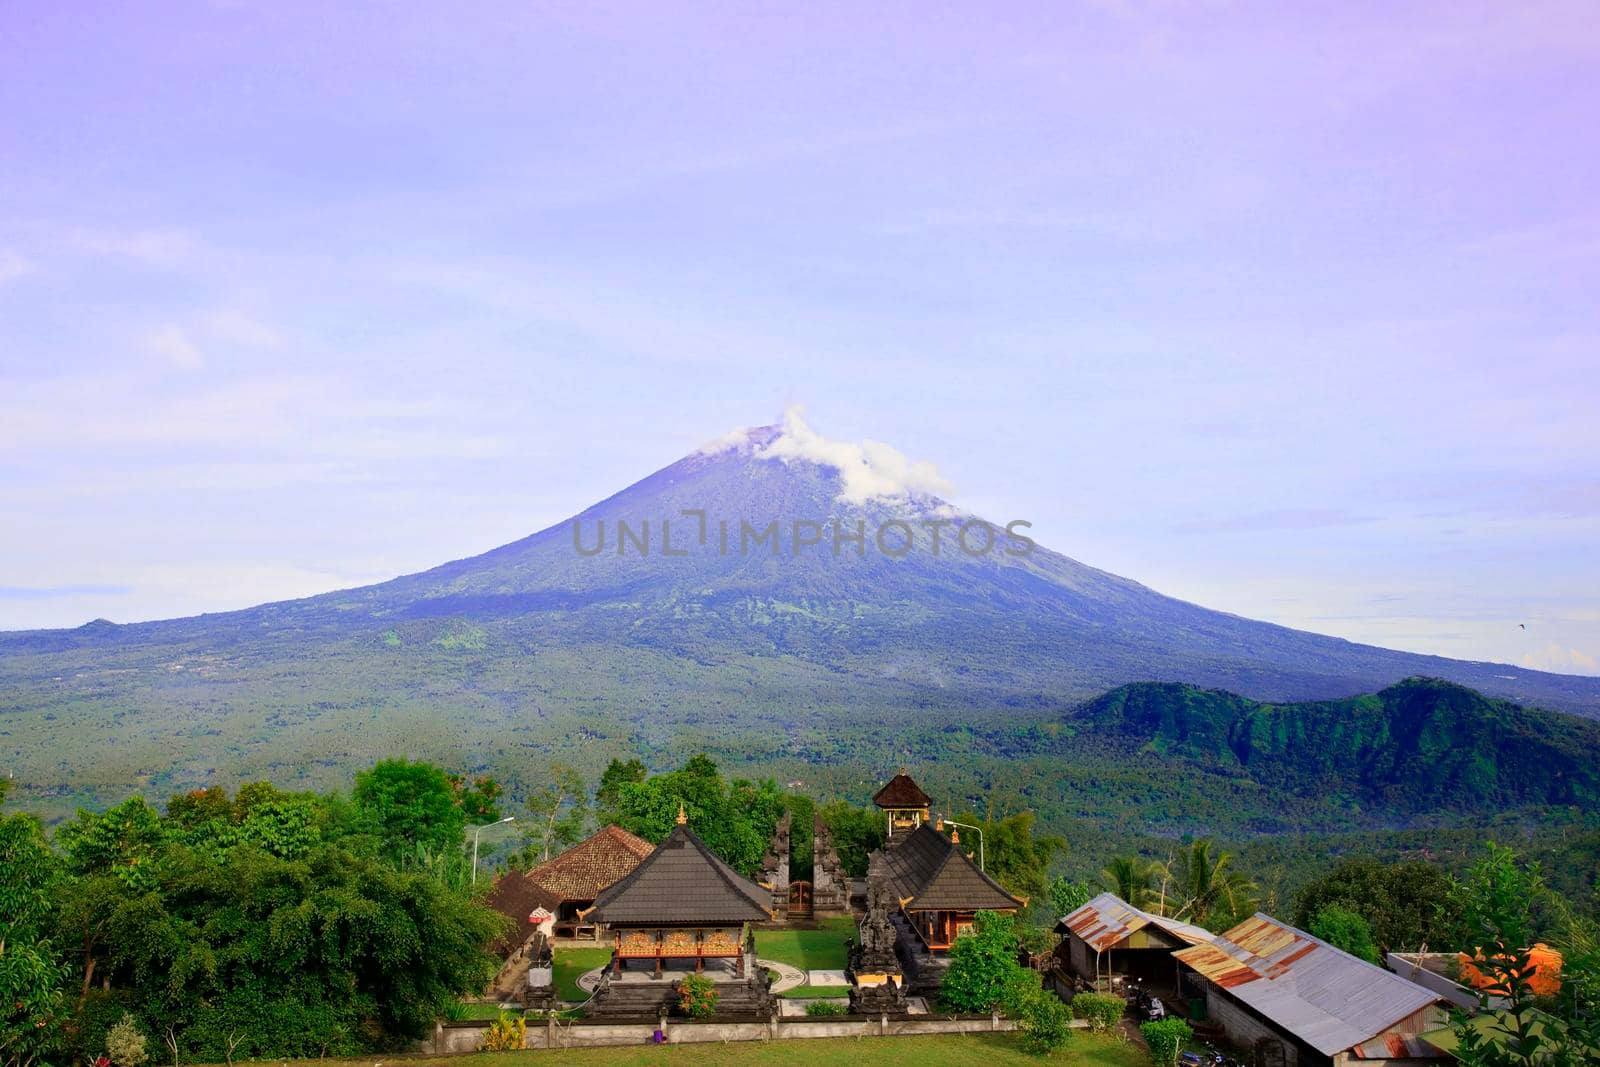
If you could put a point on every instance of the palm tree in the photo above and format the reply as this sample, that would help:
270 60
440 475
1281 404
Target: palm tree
1206 885
1129 878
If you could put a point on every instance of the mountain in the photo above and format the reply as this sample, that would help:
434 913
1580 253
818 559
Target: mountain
1422 744
769 649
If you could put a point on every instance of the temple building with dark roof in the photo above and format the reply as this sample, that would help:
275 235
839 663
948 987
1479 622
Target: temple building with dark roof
939 888
681 910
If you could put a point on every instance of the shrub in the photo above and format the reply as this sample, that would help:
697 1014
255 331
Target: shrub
125 1044
983 966
697 996
506 1033
1166 1040
1045 1022
825 1007
1101 1010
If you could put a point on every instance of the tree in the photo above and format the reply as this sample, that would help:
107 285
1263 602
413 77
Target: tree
409 805
983 965
617 774
1130 878
1344 929
735 820
1013 855
856 833
32 972
261 956
1493 904
557 814
1400 901
1066 896
122 841
1206 888
477 798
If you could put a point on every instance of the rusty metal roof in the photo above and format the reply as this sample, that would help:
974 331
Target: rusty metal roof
1398 1047
1326 997
1108 919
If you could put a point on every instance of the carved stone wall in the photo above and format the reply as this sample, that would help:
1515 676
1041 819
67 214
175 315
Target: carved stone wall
830 886
775 866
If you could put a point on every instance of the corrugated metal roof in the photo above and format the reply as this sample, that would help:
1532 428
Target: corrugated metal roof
1399 1047
1326 997
1107 919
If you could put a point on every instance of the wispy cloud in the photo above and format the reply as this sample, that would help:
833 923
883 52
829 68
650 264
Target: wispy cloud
173 344
55 592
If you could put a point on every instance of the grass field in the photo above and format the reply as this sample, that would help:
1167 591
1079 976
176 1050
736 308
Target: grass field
808 949
815 992
571 963
954 1050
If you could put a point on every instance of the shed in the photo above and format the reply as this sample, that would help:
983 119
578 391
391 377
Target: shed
1108 936
1295 999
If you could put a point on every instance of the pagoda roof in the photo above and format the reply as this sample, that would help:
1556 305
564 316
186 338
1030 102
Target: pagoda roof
929 872
682 882
902 792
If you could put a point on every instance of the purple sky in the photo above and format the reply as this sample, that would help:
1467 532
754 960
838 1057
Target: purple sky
1287 309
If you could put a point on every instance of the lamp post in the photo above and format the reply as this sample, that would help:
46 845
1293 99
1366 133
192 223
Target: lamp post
966 826
475 833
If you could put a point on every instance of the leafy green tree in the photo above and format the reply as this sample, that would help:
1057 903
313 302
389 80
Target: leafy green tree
856 833
33 974
735 820
1401 902
558 814
1343 928
983 966
1044 1021
122 841
1067 896
261 956
409 804
1101 1011
617 774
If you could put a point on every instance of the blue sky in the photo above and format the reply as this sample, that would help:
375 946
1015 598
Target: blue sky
1288 311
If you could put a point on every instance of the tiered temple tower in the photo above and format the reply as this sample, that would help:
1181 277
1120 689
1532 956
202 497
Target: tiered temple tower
904 805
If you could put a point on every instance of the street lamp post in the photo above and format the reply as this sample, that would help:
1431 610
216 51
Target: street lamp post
966 826
475 833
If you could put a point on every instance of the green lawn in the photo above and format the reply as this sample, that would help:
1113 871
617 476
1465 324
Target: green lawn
573 962
808 949
954 1050
816 992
